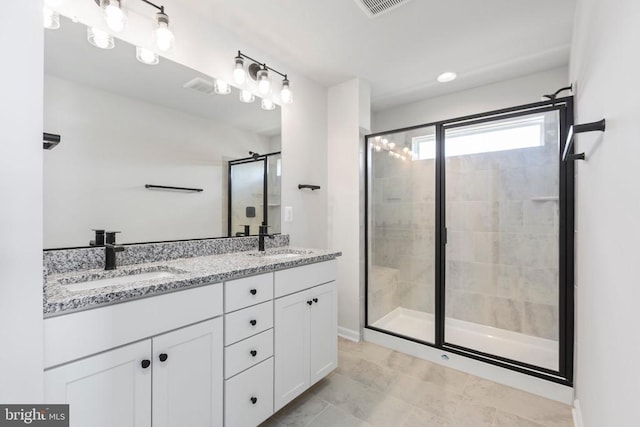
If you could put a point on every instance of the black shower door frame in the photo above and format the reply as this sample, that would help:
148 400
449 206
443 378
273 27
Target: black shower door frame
564 107
264 158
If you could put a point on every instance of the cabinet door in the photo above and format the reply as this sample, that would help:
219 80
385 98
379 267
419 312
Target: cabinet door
291 327
106 390
323 332
187 376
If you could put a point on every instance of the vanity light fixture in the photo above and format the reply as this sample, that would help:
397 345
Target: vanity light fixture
221 87
163 35
147 56
267 104
246 96
259 72
100 38
51 19
449 76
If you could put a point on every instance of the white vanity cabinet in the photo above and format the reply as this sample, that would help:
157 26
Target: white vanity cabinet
305 329
163 379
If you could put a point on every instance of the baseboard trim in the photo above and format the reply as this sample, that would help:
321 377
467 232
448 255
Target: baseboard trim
577 414
349 334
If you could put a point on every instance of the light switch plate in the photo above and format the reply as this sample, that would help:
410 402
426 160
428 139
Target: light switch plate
288 214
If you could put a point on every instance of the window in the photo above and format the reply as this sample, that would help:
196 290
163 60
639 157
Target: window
510 134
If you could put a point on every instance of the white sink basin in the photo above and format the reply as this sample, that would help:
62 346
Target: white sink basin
119 280
281 256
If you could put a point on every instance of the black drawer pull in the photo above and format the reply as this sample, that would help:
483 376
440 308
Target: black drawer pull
315 300
253 322
254 400
253 291
254 353
163 357
309 302
145 363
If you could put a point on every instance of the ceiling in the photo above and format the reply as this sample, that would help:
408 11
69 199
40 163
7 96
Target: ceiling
68 55
401 52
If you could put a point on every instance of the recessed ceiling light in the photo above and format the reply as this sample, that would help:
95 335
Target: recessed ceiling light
449 76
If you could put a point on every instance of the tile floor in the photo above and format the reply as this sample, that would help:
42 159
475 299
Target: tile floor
376 386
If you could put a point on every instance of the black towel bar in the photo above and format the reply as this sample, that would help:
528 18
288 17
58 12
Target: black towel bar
587 127
165 187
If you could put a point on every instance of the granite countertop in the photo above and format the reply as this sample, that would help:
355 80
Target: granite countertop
59 298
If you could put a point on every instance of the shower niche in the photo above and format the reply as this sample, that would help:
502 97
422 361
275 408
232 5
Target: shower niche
469 246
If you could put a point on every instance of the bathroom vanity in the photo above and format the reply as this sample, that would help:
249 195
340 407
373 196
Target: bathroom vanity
222 339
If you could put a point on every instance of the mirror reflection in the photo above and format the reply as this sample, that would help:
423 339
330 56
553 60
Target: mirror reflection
125 124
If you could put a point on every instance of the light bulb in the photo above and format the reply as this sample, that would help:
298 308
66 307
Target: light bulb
51 19
385 141
267 104
247 96
239 75
146 56
264 84
405 149
100 38
163 35
114 15
285 94
378 148
221 87
392 145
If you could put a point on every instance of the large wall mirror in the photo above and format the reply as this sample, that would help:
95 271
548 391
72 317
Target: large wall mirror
125 124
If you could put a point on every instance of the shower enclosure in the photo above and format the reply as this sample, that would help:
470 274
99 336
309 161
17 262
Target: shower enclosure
469 237
254 194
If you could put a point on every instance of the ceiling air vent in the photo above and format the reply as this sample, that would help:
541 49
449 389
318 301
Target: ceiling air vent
200 84
374 8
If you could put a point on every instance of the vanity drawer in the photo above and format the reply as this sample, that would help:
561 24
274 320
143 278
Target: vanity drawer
307 276
241 293
249 396
247 322
240 356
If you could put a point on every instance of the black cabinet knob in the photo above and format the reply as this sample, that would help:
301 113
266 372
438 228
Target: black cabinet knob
254 400
309 302
163 357
254 353
145 363
315 300
253 322
253 291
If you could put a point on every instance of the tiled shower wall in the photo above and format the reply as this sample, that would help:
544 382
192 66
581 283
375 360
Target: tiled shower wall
502 252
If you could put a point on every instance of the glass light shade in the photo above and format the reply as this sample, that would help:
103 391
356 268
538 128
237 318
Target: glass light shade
221 87
239 74
285 94
162 34
147 56
100 38
114 15
267 104
247 96
264 84
51 19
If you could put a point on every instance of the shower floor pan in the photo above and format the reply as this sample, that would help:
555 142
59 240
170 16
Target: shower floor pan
512 345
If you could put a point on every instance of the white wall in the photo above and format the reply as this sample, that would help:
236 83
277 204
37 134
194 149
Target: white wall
605 65
348 109
509 93
95 177
21 43
211 50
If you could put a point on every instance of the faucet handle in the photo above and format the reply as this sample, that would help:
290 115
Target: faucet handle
116 248
111 237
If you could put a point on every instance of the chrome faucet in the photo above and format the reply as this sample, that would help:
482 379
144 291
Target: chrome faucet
262 233
110 249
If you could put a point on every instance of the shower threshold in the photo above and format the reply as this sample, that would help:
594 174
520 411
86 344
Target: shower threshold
419 325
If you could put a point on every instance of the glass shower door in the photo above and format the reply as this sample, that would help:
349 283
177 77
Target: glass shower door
502 233
401 281
247 197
